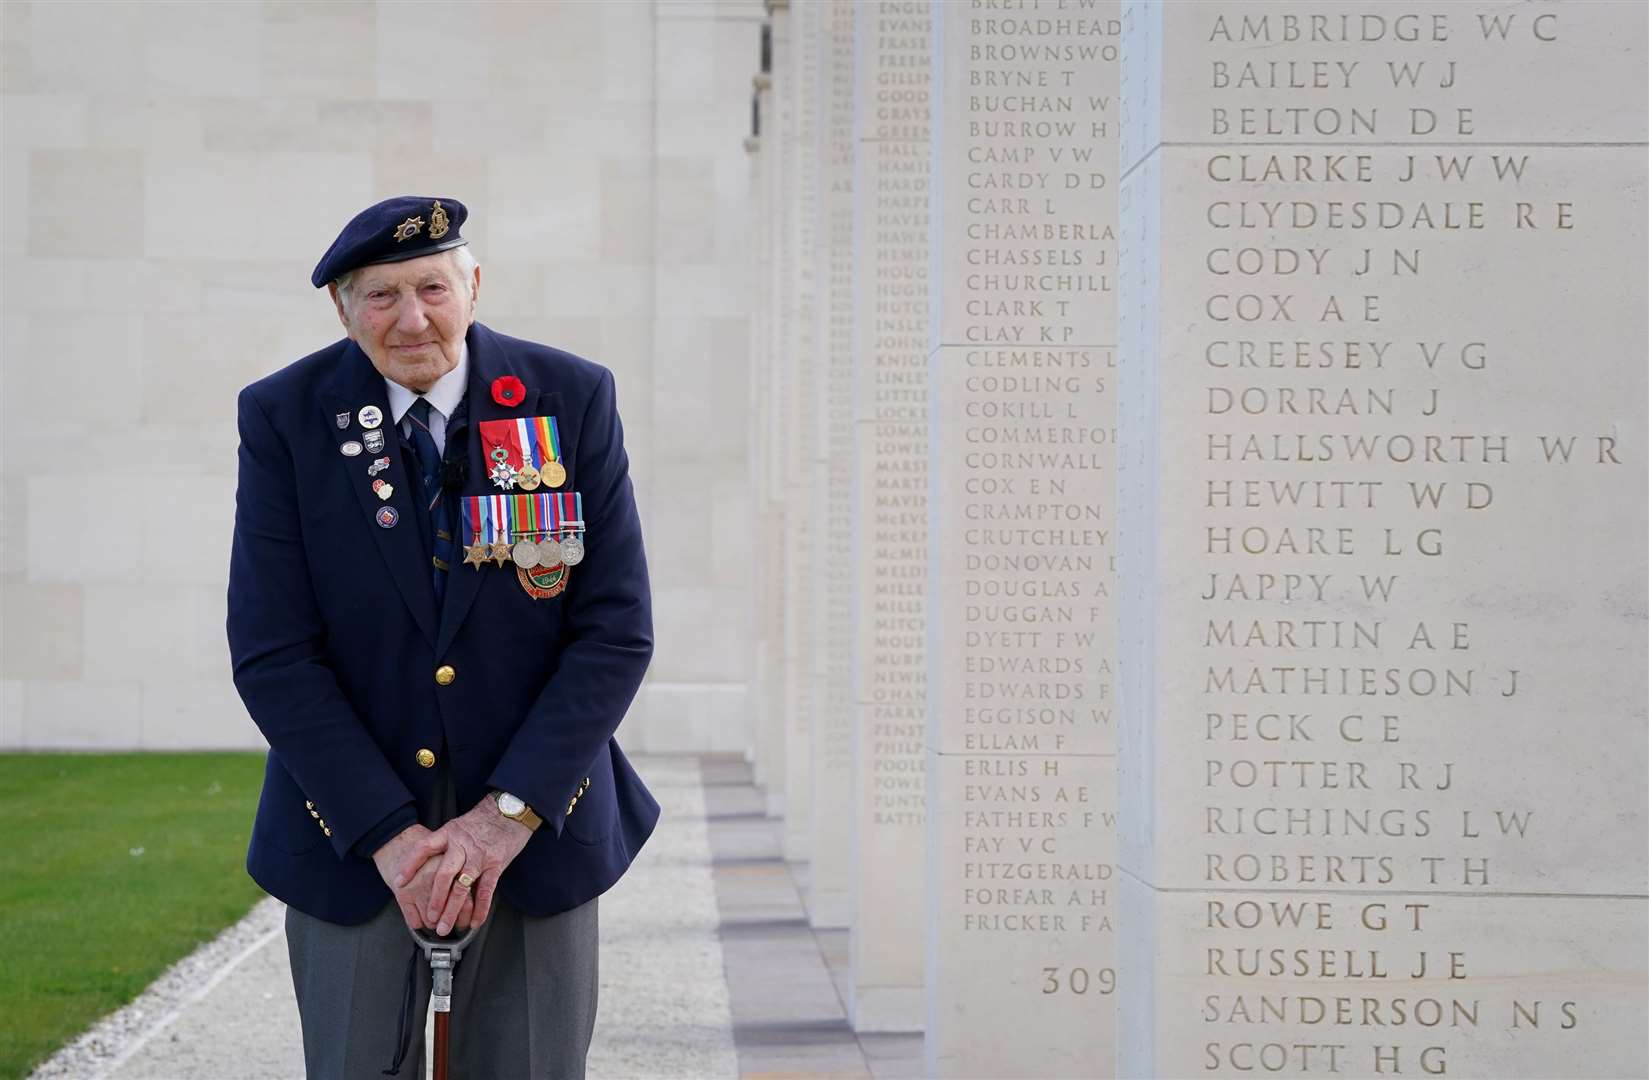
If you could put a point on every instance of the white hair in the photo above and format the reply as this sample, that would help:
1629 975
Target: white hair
463 260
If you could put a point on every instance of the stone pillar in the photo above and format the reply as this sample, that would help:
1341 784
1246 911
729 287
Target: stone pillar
1021 759
765 596
772 389
893 84
829 876
797 61
1384 566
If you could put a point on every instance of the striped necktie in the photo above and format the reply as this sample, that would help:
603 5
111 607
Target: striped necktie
440 509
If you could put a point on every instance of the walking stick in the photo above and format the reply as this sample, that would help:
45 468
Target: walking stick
443 955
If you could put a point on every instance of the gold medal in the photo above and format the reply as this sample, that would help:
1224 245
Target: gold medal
553 474
500 554
526 478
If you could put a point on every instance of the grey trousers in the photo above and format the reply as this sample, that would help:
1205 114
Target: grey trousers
523 1002
523 997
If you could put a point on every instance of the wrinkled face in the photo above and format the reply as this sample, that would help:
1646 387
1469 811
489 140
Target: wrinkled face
410 317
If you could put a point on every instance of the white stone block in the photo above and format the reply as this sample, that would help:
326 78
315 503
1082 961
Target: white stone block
214 51
11 714
31 120
57 529
323 51
139 632
185 715
90 715
85 202
81 373
406 41
686 56
541 204
90 47
211 205
41 628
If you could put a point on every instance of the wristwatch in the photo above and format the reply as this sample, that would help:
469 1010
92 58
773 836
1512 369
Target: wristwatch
512 807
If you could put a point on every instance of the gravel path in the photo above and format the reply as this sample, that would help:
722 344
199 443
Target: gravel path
226 1011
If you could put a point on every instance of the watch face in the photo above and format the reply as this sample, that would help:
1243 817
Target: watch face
510 805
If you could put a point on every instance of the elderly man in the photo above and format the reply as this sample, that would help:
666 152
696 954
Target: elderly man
438 614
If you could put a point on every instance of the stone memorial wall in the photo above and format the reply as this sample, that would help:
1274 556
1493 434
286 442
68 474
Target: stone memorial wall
829 877
893 90
798 55
1383 633
1020 961
764 607
779 209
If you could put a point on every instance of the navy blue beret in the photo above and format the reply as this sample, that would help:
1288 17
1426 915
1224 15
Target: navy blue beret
394 230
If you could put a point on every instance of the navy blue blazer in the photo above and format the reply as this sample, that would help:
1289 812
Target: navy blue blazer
335 638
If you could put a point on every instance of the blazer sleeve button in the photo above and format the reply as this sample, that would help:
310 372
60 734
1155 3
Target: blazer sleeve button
425 757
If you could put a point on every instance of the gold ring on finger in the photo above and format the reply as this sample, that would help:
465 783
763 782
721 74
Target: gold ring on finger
465 881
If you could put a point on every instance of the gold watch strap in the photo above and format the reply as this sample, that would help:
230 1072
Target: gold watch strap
525 817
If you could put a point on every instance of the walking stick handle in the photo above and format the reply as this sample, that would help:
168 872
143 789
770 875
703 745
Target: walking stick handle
443 955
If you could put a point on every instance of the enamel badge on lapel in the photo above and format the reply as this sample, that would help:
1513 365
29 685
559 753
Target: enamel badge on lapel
387 517
377 466
342 420
350 448
374 441
370 416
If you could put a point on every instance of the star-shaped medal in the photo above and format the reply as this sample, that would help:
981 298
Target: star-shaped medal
502 475
475 555
500 554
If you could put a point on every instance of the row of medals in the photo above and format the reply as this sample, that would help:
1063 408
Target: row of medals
528 553
549 551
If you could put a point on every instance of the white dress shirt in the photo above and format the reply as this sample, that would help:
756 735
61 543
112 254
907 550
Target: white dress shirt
443 397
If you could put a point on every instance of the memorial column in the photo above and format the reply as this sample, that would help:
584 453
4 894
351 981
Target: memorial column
1020 971
797 91
777 357
829 901
1385 552
893 87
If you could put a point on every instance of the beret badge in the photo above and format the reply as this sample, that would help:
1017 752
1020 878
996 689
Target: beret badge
393 230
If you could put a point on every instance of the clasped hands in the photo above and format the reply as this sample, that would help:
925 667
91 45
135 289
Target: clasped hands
423 868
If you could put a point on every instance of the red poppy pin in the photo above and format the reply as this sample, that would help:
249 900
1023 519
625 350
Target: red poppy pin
508 391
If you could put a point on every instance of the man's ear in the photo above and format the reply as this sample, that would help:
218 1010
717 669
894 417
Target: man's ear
338 302
475 290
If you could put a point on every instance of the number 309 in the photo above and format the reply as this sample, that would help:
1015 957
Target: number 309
1078 980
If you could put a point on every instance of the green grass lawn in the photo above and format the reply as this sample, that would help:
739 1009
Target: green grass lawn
114 866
